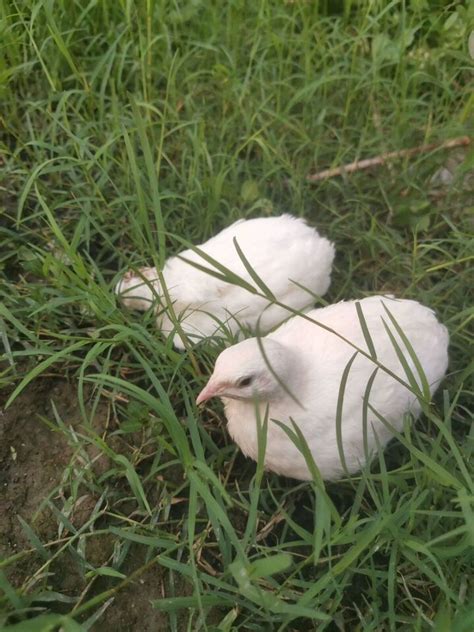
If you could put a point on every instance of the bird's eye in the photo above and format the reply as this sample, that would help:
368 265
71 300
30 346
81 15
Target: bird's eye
245 381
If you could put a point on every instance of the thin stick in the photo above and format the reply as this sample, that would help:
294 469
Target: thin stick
359 165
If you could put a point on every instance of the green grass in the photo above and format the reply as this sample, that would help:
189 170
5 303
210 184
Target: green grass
129 126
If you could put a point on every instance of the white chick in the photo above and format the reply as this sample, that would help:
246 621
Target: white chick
284 252
310 362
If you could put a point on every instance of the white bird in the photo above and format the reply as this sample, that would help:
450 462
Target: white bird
284 252
310 362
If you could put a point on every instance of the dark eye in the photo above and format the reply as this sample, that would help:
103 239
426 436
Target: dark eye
245 381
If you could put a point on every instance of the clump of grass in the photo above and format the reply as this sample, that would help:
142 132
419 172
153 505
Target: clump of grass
127 128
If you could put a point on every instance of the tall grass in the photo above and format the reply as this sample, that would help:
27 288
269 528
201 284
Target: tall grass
130 127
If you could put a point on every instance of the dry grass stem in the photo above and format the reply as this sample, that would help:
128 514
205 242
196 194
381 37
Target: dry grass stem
368 163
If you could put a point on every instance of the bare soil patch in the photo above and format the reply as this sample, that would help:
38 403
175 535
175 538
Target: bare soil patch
33 459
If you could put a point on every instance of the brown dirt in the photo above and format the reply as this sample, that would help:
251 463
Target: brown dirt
33 459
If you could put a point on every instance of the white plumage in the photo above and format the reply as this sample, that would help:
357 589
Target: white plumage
310 361
284 252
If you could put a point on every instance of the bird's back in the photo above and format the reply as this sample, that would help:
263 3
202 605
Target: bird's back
428 337
280 250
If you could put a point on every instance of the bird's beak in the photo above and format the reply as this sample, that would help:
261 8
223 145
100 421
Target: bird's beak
210 390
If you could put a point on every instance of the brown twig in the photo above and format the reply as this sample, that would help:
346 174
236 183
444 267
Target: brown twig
368 163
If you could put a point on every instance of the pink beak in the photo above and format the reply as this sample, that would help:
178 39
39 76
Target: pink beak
207 392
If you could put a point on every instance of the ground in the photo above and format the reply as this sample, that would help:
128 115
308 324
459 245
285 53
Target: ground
33 460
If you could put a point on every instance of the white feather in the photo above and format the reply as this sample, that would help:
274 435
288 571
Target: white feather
310 361
283 251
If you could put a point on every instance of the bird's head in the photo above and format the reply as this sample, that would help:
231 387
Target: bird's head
139 290
244 372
